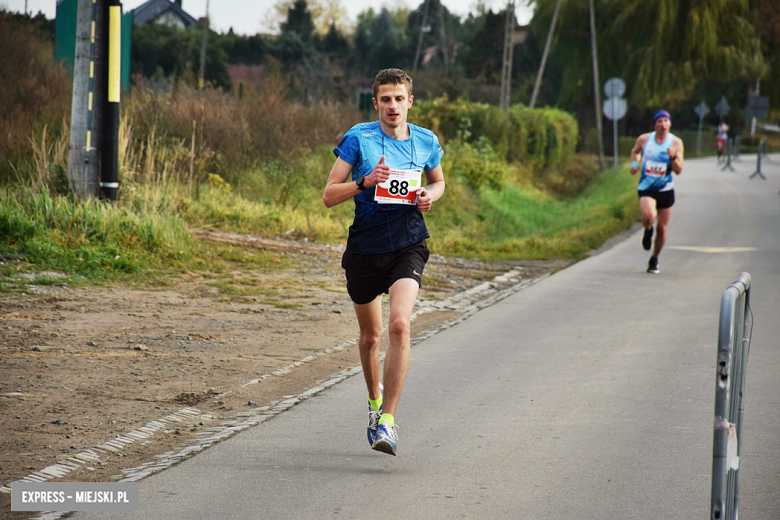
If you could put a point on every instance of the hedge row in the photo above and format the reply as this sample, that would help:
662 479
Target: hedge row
546 136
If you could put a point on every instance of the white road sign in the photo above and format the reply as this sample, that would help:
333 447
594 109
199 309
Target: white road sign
702 109
615 108
722 108
614 87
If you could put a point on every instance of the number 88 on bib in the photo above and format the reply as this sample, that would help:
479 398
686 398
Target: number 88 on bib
400 188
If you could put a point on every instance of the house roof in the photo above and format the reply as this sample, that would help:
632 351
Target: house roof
149 11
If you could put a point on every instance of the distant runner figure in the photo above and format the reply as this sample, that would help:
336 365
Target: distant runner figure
386 250
723 133
660 153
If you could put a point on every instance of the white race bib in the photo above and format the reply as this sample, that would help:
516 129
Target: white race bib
400 188
655 169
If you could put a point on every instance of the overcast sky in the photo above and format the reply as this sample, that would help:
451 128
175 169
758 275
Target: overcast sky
249 16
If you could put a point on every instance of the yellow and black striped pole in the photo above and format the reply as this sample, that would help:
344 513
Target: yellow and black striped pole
109 178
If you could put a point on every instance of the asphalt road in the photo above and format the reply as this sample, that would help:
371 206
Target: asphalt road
587 395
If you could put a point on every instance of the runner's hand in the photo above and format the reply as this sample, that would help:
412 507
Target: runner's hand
634 169
672 152
378 175
424 200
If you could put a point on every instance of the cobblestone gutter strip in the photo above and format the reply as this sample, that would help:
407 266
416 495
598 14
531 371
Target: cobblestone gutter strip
463 302
92 456
239 422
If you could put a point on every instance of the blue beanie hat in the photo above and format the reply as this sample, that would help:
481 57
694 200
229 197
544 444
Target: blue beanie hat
660 114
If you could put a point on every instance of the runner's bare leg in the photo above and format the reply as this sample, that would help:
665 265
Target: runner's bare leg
647 205
369 318
660 238
403 294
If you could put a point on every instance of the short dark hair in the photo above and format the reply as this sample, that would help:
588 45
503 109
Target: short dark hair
392 76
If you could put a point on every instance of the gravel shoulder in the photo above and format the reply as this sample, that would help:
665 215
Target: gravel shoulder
105 383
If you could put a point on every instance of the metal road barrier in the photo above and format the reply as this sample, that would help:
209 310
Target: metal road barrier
761 151
736 147
735 329
729 146
766 150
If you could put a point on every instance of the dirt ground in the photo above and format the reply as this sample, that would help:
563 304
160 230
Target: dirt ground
107 383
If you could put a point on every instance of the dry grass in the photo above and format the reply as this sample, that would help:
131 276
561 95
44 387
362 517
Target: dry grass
229 136
34 93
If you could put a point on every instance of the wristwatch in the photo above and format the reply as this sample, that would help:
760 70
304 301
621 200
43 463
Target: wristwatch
359 181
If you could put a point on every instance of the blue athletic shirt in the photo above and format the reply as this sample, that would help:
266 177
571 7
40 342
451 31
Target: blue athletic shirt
382 228
656 165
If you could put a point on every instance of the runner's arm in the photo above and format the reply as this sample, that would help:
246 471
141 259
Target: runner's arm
337 190
433 190
677 150
636 152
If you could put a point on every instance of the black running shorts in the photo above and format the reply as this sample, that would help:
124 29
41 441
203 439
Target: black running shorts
663 199
368 276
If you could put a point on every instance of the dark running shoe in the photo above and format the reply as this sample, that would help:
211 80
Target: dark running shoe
647 239
652 265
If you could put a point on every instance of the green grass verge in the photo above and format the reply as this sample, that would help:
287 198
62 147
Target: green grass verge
514 216
93 241
525 223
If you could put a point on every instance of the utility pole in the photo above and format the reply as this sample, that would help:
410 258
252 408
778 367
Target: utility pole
506 69
596 83
420 37
444 43
85 119
202 75
544 55
94 118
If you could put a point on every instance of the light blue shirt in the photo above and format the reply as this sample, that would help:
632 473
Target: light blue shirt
656 165
381 228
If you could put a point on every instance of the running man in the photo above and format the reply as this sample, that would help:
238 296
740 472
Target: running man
386 250
723 133
660 153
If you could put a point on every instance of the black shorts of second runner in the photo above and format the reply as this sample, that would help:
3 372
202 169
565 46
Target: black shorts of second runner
368 276
663 199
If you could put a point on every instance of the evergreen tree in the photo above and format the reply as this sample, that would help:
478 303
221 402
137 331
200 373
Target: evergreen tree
163 52
248 49
442 30
483 55
334 43
293 51
299 21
